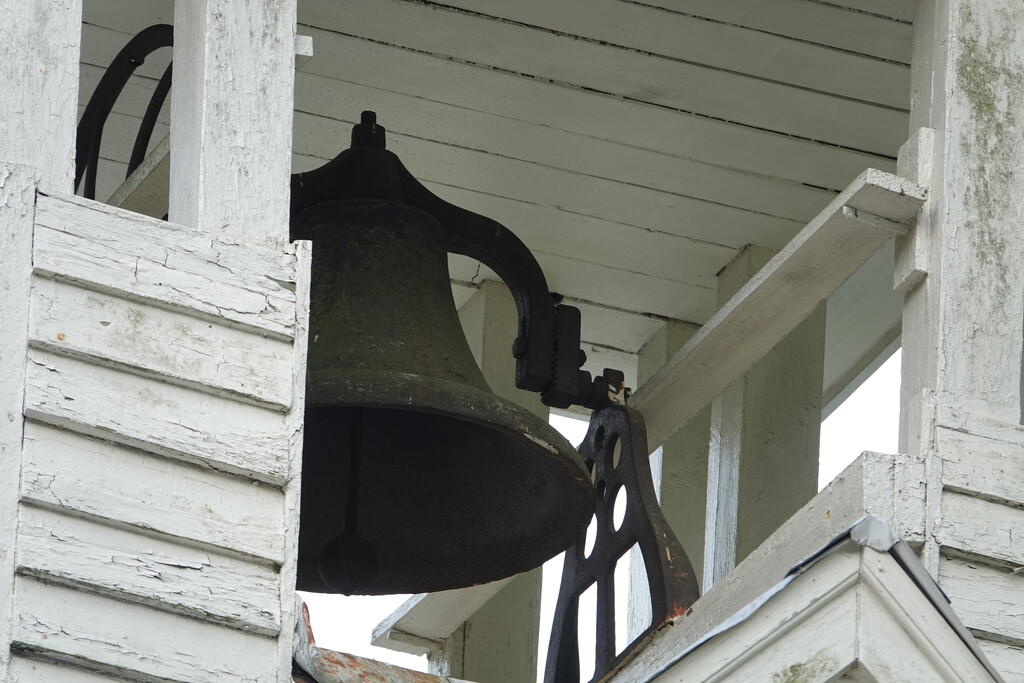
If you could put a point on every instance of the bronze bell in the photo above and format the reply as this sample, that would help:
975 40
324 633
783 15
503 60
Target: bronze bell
416 477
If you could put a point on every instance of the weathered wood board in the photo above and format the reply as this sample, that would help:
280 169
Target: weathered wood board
163 379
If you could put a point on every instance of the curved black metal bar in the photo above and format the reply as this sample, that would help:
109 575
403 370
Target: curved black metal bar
90 128
537 346
673 587
142 138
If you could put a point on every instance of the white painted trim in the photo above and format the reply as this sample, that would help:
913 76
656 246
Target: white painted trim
856 609
17 215
820 258
293 425
890 486
422 623
231 112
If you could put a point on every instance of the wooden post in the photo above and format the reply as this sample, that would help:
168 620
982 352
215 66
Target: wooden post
962 323
17 204
680 468
39 53
763 453
231 116
499 642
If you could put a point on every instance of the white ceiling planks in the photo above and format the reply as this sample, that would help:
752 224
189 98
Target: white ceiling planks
620 72
821 22
633 145
715 45
580 111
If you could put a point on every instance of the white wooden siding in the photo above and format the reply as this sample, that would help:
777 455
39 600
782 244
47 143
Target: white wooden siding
147 569
135 640
107 249
981 513
156 416
153 494
157 502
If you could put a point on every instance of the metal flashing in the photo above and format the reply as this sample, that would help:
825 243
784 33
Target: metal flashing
871 532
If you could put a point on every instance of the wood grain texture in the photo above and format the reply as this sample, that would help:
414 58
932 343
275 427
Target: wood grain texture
289 530
1008 659
234 66
982 528
782 294
39 52
148 570
989 600
26 670
105 248
158 417
96 479
17 209
982 457
134 641
169 345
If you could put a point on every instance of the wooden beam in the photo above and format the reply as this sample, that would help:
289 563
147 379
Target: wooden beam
145 190
873 209
423 622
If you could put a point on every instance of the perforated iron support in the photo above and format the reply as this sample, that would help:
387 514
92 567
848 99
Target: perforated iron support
615 450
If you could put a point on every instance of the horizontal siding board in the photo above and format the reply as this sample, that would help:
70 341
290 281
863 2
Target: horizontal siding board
1007 659
987 599
982 527
110 249
158 417
82 476
632 75
26 670
99 479
134 641
167 344
678 36
976 464
147 570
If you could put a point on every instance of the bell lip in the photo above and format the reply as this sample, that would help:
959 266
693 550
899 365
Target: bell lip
348 387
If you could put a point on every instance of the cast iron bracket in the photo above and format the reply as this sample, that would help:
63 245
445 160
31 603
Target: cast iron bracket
615 451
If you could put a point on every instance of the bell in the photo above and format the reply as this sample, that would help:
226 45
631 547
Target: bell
416 477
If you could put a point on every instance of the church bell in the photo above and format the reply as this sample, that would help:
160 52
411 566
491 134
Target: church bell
416 477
